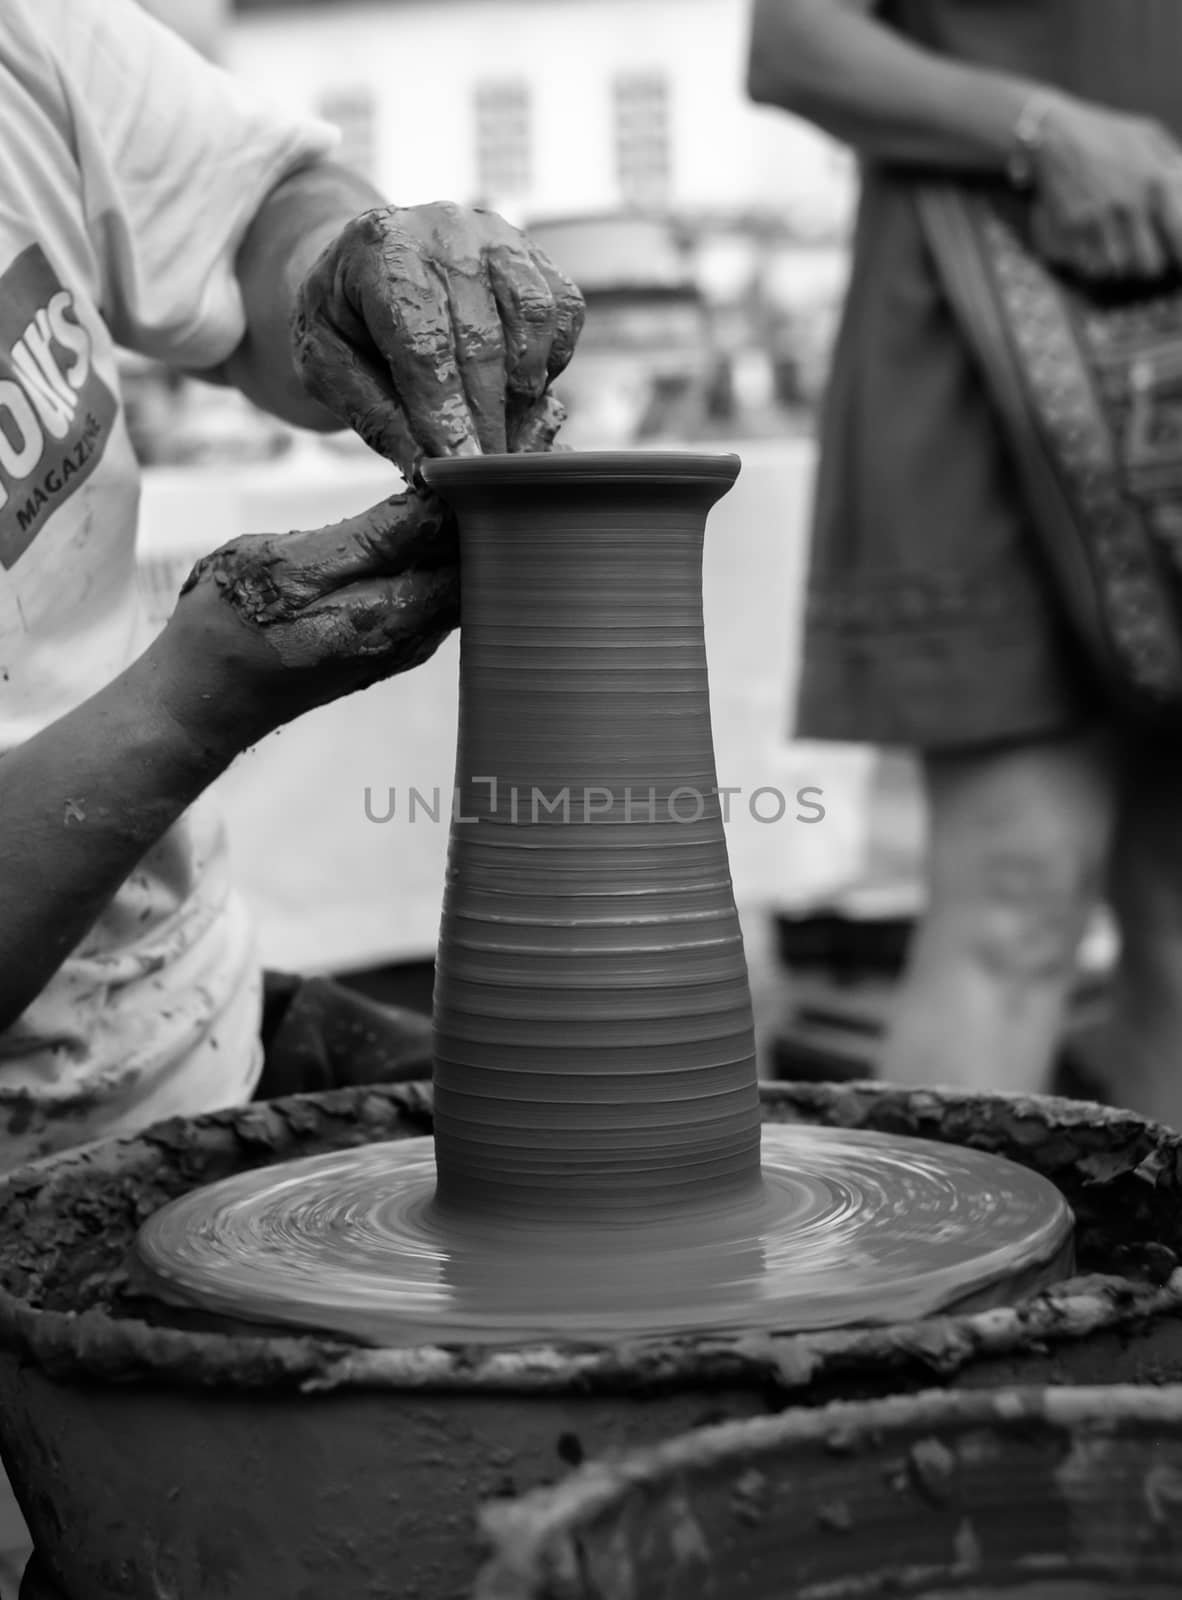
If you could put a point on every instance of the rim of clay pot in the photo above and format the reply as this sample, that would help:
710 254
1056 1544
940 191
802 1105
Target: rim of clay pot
445 473
1081 1147
527 1532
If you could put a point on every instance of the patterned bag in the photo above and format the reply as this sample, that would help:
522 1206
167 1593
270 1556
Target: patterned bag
1088 389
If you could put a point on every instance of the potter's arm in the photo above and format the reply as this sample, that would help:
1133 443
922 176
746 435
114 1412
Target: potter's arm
81 803
833 63
266 629
296 222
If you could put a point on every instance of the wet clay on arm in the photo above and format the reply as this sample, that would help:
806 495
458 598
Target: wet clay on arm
265 629
435 330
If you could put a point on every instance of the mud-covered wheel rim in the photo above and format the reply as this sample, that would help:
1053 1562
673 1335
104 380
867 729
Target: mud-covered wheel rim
1120 1174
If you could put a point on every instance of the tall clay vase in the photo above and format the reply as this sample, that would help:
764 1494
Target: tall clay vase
594 1053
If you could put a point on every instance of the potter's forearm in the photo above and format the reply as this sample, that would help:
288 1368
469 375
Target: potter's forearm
832 63
295 223
80 805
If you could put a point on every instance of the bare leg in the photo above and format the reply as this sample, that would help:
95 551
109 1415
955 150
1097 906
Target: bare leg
1137 1055
1017 846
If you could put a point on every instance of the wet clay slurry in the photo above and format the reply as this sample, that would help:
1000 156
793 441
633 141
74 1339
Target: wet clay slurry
594 1051
1015 1494
849 1227
596 1168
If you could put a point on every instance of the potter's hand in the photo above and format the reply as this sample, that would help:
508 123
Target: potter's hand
269 627
1108 199
435 330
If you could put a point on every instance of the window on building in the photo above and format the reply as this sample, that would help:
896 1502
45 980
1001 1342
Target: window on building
503 164
642 133
355 112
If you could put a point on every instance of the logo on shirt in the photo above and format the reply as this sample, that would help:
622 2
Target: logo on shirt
56 413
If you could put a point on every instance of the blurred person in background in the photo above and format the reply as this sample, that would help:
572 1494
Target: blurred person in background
147 201
937 615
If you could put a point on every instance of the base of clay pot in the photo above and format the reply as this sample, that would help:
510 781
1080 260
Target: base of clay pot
841 1228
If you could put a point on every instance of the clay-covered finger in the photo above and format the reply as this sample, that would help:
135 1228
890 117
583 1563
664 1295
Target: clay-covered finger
400 620
529 318
405 308
354 387
479 343
409 530
273 578
538 429
570 312
404 532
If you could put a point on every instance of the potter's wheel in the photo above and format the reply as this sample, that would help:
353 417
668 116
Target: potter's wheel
844 1228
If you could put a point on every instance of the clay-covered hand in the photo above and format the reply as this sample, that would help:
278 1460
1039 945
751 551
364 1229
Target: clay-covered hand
1109 194
269 627
436 330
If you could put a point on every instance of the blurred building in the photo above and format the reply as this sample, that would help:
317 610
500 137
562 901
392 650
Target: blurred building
624 116
543 107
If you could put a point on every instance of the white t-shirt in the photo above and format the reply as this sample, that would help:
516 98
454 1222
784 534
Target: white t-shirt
131 170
